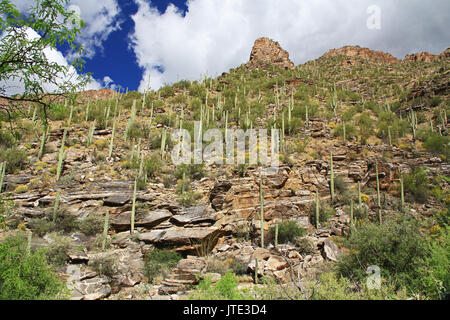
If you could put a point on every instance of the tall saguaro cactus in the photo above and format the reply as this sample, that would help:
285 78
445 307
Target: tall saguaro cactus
261 214
133 208
62 156
378 194
2 174
317 209
105 230
56 207
331 177
402 192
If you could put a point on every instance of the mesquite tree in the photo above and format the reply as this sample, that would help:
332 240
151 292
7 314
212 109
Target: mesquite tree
24 44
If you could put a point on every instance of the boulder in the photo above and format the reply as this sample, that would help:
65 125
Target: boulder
178 236
330 250
193 215
151 219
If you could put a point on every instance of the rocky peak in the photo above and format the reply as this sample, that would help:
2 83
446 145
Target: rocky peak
421 57
364 53
445 55
267 52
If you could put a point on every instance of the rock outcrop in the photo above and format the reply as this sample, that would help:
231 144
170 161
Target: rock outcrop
353 52
267 52
421 57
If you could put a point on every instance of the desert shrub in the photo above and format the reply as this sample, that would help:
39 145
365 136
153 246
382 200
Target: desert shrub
104 266
396 247
287 231
6 139
193 171
197 90
436 278
64 222
183 84
166 92
26 276
438 144
238 266
16 159
225 289
56 251
152 165
58 112
97 113
299 145
326 211
350 131
417 185
366 126
42 226
92 225
159 263
304 246
189 198
137 130
332 286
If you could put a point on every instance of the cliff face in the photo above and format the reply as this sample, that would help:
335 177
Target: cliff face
267 52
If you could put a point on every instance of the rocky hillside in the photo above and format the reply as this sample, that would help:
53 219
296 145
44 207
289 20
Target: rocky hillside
362 131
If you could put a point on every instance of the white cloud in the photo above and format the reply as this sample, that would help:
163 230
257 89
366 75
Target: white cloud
216 35
100 17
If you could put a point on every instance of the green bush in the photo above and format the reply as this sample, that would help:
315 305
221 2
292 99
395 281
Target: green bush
326 211
6 139
16 159
193 171
166 92
160 262
304 246
287 231
152 165
104 266
225 289
137 130
417 186
438 144
92 225
26 276
56 251
397 247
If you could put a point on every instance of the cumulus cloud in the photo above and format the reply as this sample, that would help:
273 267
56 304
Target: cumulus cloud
216 35
100 16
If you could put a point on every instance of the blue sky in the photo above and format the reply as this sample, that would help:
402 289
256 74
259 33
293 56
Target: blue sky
128 41
117 60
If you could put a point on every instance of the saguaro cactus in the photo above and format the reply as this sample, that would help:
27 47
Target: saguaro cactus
133 208
43 139
402 194
105 230
331 177
2 174
111 144
261 214
91 134
378 194
317 209
56 207
413 123
351 213
359 195
62 156
87 110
